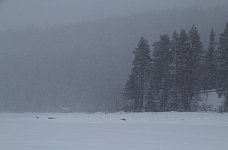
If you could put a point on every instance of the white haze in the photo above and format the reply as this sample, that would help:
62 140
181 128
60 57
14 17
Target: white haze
84 67
17 14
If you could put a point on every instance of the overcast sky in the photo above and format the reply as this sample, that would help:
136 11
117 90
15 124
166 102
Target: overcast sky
17 14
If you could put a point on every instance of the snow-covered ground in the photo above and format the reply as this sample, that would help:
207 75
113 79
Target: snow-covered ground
212 101
143 131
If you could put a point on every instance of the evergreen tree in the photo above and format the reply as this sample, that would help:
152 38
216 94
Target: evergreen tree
152 102
175 96
161 79
195 67
132 94
211 64
223 65
182 74
141 71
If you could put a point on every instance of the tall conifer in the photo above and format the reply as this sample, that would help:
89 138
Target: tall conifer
223 65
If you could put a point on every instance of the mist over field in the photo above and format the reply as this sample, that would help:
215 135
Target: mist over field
47 13
113 74
77 54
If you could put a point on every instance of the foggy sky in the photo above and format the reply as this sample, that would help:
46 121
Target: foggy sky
17 14
84 67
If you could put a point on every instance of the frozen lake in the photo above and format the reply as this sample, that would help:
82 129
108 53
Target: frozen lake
99 131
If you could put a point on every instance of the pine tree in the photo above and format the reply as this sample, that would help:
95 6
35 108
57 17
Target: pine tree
161 82
132 94
211 64
152 103
223 65
175 99
195 67
182 76
141 71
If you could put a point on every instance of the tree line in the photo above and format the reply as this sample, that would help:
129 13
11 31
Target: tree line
178 71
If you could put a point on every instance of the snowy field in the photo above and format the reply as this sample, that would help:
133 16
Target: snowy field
145 131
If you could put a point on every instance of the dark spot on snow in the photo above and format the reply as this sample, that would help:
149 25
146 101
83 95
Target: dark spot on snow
51 118
123 119
37 117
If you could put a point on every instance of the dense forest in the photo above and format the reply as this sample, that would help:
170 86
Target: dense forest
179 70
